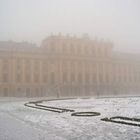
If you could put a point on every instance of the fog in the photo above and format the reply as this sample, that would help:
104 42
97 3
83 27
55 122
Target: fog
33 20
62 61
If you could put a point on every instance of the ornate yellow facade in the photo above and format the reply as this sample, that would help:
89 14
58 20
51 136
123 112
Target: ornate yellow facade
67 66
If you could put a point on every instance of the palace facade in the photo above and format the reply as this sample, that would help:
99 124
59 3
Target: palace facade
67 66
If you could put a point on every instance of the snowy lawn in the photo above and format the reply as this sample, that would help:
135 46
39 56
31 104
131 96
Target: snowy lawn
18 122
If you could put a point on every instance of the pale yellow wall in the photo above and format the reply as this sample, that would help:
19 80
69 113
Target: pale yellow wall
92 60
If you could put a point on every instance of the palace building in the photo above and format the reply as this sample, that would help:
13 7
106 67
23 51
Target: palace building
65 66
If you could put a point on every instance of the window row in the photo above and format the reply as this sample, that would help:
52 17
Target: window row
66 77
78 49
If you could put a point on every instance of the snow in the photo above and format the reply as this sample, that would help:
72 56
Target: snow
18 122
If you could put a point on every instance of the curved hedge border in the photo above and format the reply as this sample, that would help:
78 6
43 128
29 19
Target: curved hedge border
55 108
47 109
36 105
112 119
85 114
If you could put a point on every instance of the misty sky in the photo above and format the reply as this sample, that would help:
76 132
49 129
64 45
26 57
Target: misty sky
33 20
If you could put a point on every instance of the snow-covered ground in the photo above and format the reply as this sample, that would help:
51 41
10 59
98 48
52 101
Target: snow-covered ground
18 122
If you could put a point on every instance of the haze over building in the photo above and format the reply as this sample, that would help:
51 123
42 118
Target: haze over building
67 66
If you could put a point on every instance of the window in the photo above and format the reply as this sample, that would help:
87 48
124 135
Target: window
5 65
106 52
18 90
72 77
80 78
100 77
18 78
86 50
99 52
52 47
27 78
63 47
79 49
65 77
27 65
36 78
94 77
28 92
18 67
5 77
44 66
5 92
93 50
107 78
52 78
36 91
36 66
71 48
45 78
87 78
